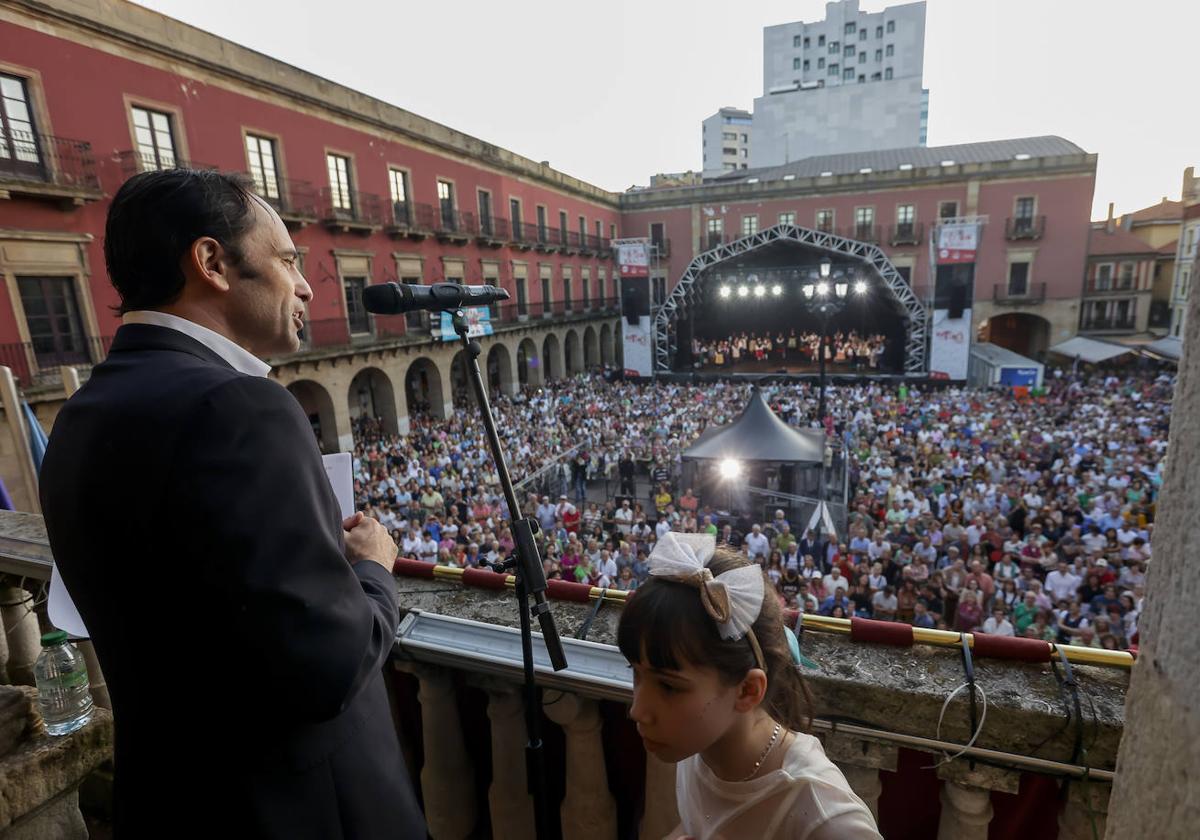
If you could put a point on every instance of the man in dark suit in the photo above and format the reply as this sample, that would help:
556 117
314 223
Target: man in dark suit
242 626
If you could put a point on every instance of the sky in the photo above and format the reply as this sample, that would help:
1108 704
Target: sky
612 93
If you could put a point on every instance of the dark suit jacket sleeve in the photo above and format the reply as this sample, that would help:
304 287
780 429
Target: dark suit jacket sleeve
304 630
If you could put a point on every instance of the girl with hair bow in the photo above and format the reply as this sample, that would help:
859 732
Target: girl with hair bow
717 689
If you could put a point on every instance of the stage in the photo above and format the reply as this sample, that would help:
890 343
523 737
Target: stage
799 365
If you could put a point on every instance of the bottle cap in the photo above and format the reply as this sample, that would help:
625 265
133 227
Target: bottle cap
54 637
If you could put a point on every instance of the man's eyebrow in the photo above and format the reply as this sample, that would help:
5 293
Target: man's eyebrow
287 253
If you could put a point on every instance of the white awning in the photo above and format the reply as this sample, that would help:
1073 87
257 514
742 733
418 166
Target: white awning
1090 349
1169 347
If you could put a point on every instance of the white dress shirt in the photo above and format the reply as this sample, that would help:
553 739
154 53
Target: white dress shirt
237 356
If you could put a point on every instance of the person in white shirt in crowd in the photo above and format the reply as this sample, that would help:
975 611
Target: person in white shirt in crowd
624 517
1062 583
834 581
758 546
998 624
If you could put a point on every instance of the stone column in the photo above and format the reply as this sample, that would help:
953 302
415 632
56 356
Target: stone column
446 771
1155 793
966 812
509 801
341 422
21 628
589 811
860 762
660 815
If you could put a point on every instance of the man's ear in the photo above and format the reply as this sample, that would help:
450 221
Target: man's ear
208 261
751 691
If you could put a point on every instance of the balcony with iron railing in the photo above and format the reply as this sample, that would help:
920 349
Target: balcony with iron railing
411 220
453 226
365 330
296 201
662 247
39 363
132 162
1018 294
1110 324
1024 227
351 210
1110 286
492 231
46 167
906 233
523 235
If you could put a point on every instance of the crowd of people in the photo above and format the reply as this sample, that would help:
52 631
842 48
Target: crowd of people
971 510
858 351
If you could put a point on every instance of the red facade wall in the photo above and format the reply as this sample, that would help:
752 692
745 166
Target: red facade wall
1061 252
86 94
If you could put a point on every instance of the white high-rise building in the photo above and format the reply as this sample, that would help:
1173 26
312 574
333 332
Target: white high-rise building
725 140
849 83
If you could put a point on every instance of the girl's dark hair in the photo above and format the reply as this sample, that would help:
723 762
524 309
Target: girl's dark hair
154 219
666 626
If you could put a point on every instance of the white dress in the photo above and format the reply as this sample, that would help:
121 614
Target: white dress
808 798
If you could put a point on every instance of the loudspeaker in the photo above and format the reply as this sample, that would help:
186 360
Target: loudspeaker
958 300
635 298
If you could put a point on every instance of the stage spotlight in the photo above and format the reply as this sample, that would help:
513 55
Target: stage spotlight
860 287
759 291
730 468
777 290
743 291
726 291
822 289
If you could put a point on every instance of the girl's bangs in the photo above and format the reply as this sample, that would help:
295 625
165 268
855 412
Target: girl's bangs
665 626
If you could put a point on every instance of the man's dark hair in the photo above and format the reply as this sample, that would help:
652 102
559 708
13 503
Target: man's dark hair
153 221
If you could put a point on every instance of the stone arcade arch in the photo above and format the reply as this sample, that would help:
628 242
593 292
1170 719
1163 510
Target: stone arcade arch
572 353
607 356
1021 332
591 348
462 392
552 361
371 395
686 292
498 371
529 367
317 405
423 388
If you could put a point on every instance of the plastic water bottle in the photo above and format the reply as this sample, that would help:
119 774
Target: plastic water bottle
64 695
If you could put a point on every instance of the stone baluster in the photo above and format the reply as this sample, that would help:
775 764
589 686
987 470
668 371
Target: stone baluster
4 680
95 676
966 812
509 801
660 815
967 798
21 628
589 811
446 771
1083 806
860 762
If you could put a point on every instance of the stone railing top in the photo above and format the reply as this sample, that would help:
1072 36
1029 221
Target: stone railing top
897 689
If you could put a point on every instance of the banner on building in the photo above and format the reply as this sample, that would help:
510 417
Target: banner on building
957 242
633 256
638 342
950 349
479 322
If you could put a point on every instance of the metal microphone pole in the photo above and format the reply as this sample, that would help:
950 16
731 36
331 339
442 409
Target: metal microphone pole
526 565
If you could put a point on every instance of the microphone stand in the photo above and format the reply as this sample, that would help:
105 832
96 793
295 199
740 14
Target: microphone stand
526 565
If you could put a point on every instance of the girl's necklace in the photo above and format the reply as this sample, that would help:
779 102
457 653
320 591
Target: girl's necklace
765 753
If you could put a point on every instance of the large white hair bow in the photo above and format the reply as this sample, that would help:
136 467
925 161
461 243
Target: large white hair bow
733 599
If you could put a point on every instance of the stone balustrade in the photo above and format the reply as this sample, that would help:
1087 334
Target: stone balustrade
463 730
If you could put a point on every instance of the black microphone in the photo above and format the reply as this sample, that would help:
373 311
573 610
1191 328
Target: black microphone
397 298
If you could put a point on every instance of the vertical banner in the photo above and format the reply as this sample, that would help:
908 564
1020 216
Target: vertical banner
633 256
636 334
950 349
957 242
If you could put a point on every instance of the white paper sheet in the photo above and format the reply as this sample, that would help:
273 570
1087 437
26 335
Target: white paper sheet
65 616
339 469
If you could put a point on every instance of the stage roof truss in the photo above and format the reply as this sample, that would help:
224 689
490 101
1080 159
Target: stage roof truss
687 292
